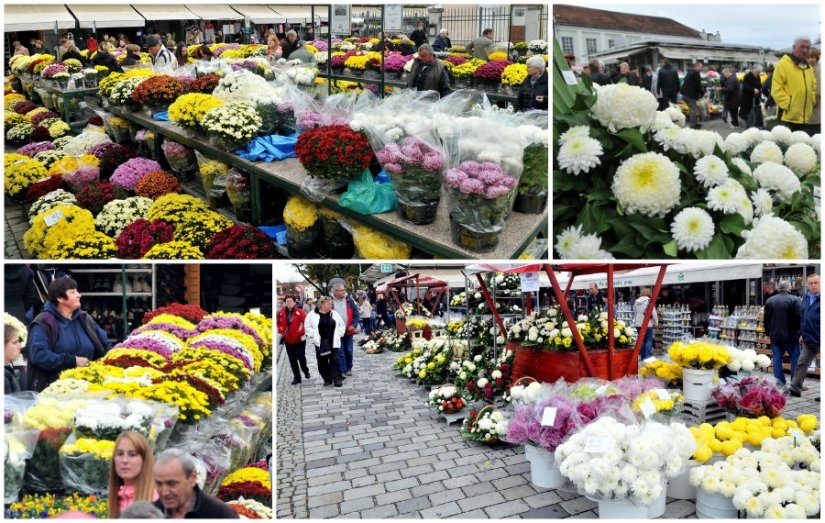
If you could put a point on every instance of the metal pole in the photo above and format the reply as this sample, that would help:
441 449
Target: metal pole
650 311
611 317
565 309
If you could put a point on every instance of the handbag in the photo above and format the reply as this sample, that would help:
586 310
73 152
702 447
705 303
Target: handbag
326 347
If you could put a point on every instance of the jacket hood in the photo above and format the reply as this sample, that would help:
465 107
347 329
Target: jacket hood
52 309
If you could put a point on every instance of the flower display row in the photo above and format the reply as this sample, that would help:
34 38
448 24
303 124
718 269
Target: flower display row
379 341
725 438
541 329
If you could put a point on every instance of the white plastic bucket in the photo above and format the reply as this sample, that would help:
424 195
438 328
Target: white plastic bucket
714 506
544 471
697 384
622 509
679 487
657 509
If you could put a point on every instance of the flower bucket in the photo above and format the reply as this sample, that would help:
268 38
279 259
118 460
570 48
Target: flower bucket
544 470
418 214
697 384
657 509
621 509
679 487
714 506
471 240
530 203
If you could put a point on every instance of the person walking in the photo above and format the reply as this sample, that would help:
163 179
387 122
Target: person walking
365 308
667 81
346 307
793 87
480 47
783 314
692 92
639 309
324 330
597 74
751 109
419 36
132 55
595 299
814 122
291 327
809 337
732 95
442 42
309 305
162 58
382 312
647 78
104 58
625 76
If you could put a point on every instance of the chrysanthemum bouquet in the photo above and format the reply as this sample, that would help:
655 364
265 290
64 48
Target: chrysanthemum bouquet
514 74
447 399
189 109
241 242
54 226
132 171
90 245
232 125
485 426
701 355
333 152
118 214
21 174
50 201
525 427
752 397
415 169
670 373
157 183
96 195
121 93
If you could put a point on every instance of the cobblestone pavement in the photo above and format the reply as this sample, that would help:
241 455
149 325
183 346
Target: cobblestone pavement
372 449
16 224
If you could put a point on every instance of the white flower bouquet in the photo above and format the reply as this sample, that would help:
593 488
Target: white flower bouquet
18 447
50 201
747 360
122 91
105 420
485 426
233 125
612 461
447 399
119 214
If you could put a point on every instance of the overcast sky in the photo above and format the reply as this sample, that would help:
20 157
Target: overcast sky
765 25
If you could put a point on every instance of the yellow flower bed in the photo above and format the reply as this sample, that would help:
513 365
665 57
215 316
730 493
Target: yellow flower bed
251 474
41 239
152 358
229 362
21 172
246 340
498 56
699 355
193 404
514 74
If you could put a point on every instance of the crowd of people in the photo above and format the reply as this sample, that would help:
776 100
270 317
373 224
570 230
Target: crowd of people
791 90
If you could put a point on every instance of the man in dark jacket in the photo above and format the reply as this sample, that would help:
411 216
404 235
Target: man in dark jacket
104 57
810 334
667 82
176 482
783 314
597 73
647 78
533 92
692 92
419 36
381 311
62 336
732 95
290 44
429 74
345 306
442 42
751 109
625 76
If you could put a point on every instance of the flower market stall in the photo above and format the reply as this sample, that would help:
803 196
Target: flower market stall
187 378
414 283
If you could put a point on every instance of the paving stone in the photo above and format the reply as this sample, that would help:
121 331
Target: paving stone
327 511
479 488
414 504
426 490
330 487
543 499
441 511
520 492
680 509
387 511
416 471
578 505
548 512
511 508
361 492
392 486
590 514
356 505
473 514
480 501
509 482
393 497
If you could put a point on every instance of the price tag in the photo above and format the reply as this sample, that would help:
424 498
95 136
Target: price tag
648 408
597 444
663 394
53 218
51 196
649 360
601 390
548 418
570 77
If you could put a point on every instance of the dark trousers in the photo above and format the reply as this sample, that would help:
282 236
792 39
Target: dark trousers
808 355
297 356
666 100
328 366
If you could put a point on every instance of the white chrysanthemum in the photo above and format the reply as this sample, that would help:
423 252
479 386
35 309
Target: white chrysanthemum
567 239
753 136
589 247
579 155
648 184
577 131
692 229
699 143
781 134
623 106
663 121
676 115
762 202
777 178
735 144
773 238
744 206
816 142
726 197
766 152
801 157
799 137
710 170
742 165
671 138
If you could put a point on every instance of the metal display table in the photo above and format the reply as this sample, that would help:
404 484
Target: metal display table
68 95
434 239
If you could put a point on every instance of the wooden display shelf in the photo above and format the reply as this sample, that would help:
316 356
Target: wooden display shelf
435 239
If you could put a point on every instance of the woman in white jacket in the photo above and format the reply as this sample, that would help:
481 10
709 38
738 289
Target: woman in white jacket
639 308
324 328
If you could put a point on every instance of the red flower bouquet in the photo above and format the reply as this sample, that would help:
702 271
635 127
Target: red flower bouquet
241 242
97 194
333 152
751 397
42 188
40 133
141 235
158 91
45 115
456 60
338 61
24 106
491 71
248 489
191 313
156 184
113 157
205 84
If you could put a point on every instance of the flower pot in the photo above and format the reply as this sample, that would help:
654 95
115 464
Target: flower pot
679 487
544 470
657 509
216 198
714 506
549 367
530 203
697 384
621 509
418 214
472 240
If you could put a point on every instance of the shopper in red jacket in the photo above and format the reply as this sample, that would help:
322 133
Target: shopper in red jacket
291 327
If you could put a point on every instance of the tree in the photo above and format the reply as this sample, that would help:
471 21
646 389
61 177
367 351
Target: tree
319 275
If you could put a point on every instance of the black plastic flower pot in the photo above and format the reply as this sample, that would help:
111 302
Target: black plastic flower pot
418 214
471 240
530 203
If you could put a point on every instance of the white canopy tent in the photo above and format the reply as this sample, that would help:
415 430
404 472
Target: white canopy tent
106 16
259 14
677 274
214 11
294 14
158 12
36 17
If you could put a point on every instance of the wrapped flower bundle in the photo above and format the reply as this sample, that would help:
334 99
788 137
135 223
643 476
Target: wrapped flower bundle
415 169
233 125
132 171
181 158
699 355
189 109
333 152
485 426
446 399
96 195
241 242
752 397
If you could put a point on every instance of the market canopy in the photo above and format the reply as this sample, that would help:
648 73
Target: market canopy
294 14
157 12
36 17
259 14
105 16
676 274
422 281
214 11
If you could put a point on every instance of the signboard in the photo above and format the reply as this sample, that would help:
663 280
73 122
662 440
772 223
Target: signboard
393 18
530 282
386 267
341 16
519 15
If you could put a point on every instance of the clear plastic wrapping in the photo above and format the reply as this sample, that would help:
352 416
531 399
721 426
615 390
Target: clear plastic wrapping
85 464
181 159
19 448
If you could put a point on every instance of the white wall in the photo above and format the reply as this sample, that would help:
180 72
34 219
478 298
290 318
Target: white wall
581 34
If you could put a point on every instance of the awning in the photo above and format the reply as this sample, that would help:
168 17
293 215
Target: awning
676 274
105 16
293 14
157 12
259 14
36 17
721 55
214 11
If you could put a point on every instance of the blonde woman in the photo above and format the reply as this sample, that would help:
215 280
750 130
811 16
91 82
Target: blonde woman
324 329
131 476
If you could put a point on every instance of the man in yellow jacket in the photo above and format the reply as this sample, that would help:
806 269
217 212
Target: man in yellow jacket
794 86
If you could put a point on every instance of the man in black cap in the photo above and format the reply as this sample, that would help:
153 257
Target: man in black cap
162 58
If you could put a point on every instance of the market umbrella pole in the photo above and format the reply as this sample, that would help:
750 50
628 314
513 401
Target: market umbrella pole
490 302
611 329
651 307
565 309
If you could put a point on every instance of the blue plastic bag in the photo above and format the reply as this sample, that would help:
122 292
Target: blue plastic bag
270 148
365 196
